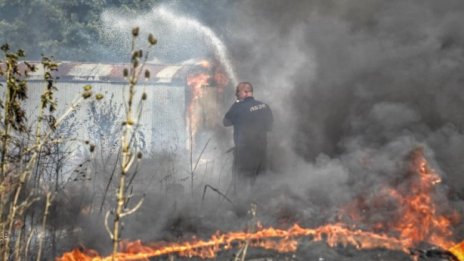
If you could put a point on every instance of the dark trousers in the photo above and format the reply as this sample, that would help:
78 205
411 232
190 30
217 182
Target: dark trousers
249 162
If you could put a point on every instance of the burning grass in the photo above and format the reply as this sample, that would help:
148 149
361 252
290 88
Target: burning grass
418 222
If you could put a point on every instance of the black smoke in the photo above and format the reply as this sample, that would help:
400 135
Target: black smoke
353 76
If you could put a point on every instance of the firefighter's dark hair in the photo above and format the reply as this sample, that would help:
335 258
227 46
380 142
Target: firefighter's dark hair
250 86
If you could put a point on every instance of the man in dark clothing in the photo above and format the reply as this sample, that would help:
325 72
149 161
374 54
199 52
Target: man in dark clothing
252 120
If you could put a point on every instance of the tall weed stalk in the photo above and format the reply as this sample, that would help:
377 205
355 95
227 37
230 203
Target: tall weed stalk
129 153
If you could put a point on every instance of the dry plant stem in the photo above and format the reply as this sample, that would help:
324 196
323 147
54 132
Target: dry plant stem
2 223
128 156
191 155
194 168
38 130
24 177
133 176
71 108
241 253
41 141
245 248
133 209
13 209
237 255
120 196
37 136
107 227
126 162
8 117
28 243
39 124
17 249
6 123
201 154
252 228
139 116
94 187
109 181
44 222
8 98
12 214
215 190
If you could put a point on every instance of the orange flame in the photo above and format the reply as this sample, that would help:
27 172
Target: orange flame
196 83
458 251
206 88
420 219
417 218
417 222
268 238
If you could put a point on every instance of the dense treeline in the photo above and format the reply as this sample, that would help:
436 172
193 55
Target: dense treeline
72 29
67 29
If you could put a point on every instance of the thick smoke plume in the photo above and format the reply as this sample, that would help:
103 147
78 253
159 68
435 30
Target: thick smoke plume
358 78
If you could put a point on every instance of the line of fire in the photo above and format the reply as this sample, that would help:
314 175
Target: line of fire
186 101
418 224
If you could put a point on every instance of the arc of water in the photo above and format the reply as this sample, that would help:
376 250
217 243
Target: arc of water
219 46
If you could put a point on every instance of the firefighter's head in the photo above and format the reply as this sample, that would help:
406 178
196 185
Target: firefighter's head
244 90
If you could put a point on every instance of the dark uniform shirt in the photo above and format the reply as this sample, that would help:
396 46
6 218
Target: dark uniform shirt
252 120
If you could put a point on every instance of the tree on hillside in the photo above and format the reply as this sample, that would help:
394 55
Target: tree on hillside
68 30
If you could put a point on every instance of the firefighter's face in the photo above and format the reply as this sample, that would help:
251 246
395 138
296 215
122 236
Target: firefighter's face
243 91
